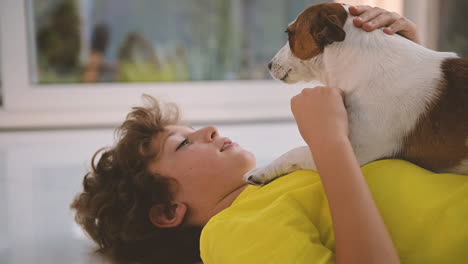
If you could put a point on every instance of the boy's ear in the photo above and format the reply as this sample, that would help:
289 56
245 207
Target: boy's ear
164 217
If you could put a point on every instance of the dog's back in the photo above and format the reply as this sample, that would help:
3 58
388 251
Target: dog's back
439 141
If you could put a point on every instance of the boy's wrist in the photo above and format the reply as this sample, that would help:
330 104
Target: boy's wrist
329 142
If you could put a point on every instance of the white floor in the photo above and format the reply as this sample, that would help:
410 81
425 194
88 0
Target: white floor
40 172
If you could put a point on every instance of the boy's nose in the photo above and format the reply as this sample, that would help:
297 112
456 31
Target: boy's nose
214 132
208 133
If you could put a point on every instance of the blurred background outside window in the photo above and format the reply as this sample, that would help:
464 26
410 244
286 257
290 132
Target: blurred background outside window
158 41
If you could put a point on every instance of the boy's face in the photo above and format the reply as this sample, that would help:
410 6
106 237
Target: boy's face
207 166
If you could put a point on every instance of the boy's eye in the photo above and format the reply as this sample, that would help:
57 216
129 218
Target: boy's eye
183 143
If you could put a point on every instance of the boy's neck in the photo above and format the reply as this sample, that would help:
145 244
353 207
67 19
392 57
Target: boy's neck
226 201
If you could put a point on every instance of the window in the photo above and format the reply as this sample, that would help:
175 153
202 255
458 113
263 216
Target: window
220 77
157 41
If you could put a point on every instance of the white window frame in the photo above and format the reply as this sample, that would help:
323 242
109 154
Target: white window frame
28 105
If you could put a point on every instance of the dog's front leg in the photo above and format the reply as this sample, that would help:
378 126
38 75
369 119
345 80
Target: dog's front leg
296 159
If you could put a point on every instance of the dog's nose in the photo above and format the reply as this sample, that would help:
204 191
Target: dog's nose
269 65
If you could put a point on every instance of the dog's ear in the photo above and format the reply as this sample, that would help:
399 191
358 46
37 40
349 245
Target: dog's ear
329 31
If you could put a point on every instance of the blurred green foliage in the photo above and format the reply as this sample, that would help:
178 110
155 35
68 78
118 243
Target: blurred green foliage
59 42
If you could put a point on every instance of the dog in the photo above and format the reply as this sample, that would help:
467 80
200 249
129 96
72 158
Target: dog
403 100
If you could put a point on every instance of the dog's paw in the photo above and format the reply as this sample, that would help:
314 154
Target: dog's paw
259 176
264 175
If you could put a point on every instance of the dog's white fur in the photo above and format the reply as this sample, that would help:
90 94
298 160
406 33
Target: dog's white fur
464 165
408 77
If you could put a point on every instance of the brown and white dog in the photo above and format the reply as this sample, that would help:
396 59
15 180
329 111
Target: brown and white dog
403 100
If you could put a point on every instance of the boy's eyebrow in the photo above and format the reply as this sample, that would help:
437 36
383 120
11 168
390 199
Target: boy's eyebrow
173 132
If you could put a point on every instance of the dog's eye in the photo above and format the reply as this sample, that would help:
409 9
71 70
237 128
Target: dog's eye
289 32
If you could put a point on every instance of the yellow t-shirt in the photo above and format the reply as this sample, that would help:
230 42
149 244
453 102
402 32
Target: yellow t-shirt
288 220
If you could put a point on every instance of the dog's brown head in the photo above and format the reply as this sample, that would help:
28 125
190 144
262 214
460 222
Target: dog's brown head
314 29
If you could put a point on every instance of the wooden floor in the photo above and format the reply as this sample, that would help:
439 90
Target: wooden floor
40 172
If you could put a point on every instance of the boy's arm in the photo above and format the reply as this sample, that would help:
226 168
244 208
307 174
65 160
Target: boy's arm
360 233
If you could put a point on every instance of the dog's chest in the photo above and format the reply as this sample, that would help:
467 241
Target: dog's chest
377 125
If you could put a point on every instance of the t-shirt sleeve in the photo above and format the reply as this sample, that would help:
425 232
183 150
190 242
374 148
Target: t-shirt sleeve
283 243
